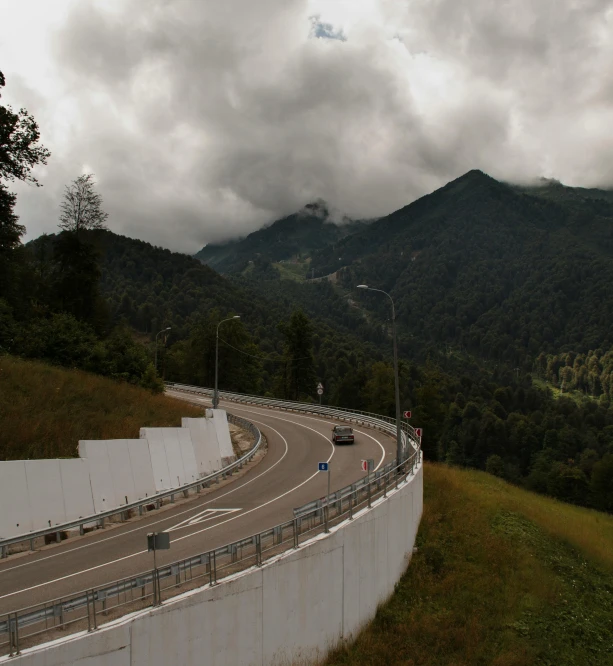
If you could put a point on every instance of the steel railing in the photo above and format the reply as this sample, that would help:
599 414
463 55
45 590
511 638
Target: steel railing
86 610
156 499
409 436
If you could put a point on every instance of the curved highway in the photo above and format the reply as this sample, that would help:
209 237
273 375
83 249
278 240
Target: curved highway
262 497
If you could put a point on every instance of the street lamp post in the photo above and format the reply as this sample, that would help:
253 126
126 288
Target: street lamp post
216 391
156 345
396 380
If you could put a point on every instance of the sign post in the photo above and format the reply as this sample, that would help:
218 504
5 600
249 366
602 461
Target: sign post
325 467
157 541
320 391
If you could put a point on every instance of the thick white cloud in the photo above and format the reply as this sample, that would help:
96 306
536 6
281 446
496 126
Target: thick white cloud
203 120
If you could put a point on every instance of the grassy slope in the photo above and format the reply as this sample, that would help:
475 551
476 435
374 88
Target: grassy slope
501 576
45 410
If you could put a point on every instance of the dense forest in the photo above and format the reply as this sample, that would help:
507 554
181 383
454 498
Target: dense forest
502 293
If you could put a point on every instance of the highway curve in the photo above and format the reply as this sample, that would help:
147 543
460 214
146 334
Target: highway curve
265 495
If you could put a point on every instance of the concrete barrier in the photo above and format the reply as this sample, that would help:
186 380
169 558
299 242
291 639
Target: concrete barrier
294 607
110 473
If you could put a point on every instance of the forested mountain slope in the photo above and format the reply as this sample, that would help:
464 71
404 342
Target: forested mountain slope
298 234
504 273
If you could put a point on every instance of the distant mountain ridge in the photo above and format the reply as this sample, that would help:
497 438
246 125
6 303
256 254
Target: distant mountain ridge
501 270
299 234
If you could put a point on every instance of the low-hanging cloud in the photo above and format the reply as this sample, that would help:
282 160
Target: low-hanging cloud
204 120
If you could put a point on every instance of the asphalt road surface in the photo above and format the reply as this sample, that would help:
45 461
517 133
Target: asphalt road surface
264 496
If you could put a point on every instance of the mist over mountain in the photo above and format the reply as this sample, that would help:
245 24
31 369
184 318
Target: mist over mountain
296 236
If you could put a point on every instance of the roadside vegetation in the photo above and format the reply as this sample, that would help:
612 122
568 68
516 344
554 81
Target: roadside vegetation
501 576
45 410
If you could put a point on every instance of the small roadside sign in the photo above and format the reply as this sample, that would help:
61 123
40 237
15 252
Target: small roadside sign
158 541
418 432
320 386
407 415
323 467
320 391
368 465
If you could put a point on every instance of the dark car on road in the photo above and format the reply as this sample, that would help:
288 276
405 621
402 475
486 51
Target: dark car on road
342 435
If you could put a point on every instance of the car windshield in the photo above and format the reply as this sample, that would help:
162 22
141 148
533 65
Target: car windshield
343 430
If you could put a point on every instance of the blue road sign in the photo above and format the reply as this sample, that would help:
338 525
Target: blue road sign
323 467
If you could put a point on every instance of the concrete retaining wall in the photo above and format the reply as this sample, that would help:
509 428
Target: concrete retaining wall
293 608
110 473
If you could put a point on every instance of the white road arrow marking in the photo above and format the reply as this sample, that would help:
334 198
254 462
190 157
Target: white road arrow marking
202 517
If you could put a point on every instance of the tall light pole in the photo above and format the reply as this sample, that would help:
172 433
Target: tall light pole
156 345
396 380
216 392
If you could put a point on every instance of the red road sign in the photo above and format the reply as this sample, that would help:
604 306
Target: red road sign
407 415
418 432
365 465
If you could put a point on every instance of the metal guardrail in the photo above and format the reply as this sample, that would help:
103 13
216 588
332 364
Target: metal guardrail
156 499
409 435
85 610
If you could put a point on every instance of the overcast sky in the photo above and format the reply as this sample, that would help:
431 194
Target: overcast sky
203 120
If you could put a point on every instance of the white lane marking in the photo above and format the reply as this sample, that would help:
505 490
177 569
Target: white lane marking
202 517
141 552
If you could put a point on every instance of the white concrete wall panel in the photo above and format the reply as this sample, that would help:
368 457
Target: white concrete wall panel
187 455
157 452
197 433
121 470
298 593
173 456
45 493
204 437
142 471
100 474
98 648
290 610
226 451
76 488
15 516
200 633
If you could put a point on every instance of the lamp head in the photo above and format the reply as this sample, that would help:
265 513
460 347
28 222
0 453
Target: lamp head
363 286
236 317
169 328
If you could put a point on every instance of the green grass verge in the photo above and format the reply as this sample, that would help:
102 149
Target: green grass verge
501 576
45 410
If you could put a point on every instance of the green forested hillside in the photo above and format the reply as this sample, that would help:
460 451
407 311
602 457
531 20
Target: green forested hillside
485 267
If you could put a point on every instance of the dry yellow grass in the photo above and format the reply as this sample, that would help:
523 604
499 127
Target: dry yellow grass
501 576
45 410
588 530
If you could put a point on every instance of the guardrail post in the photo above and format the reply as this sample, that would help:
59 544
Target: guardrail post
385 485
258 550
369 492
102 522
212 568
31 544
14 630
326 516
296 535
